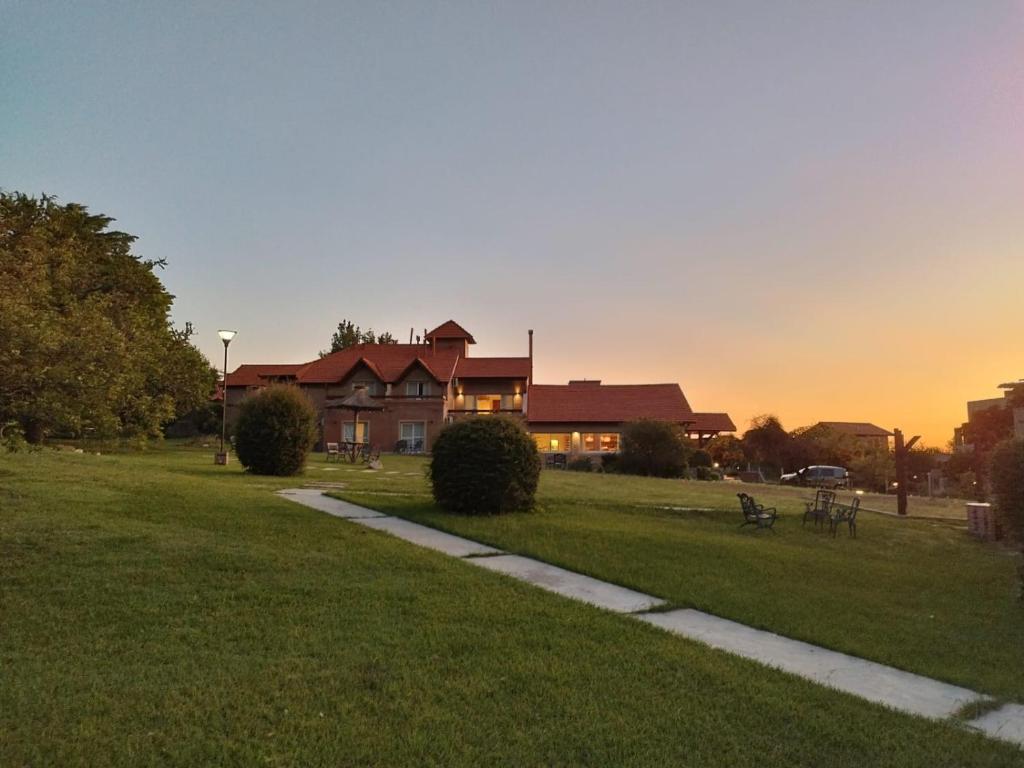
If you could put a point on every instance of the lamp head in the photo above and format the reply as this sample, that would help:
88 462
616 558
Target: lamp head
226 336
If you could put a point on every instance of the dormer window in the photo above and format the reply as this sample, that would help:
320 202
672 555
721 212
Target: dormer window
370 387
417 389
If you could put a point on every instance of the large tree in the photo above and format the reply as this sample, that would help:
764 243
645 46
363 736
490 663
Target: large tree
86 340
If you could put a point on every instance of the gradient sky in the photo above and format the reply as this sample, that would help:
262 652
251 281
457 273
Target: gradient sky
814 209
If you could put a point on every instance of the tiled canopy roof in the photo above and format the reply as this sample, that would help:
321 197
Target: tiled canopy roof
607 403
388 362
856 428
450 330
711 422
493 368
254 375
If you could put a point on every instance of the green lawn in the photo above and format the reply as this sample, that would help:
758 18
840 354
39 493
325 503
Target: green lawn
916 594
158 610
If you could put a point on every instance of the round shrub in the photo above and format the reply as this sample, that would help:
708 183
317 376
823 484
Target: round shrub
580 464
653 448
485 465
275 430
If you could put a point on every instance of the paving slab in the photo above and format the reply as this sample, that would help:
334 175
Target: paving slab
894 688
1006 723
569 584
314 497
431 538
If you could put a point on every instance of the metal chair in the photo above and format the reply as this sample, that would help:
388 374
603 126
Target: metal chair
845 513
820 509
756 514
333 453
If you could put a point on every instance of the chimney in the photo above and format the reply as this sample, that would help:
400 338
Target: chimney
530 334
410 335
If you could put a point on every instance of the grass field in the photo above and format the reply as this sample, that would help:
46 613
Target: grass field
158 610
916 594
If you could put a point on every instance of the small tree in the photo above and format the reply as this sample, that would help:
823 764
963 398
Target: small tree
275 431
485 466
653 448
1006 473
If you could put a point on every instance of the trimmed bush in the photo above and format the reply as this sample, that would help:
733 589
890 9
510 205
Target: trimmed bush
653 448
485 465
580 464
275 431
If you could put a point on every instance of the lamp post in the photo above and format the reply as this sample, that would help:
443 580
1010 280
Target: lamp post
222 457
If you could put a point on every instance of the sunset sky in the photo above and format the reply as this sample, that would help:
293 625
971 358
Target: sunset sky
809 209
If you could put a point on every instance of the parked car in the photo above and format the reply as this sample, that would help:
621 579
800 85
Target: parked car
818 476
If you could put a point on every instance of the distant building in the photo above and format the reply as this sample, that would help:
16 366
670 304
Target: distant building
422 387
869 436
974 407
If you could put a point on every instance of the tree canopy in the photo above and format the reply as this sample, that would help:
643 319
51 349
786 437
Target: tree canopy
86 341
348 334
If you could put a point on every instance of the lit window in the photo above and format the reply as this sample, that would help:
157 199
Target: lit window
595 442
346 432
553 443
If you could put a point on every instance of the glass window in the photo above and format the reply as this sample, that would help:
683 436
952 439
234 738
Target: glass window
369 386
606 442
508 402
346 432
413 434
417 388
488 403
469 402
553 442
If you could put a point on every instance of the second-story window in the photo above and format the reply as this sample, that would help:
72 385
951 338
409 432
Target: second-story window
369 386
417 388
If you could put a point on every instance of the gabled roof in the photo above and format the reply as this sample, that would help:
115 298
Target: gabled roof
389 362
607 403
450 330
254 375
856 428
711 422
493 368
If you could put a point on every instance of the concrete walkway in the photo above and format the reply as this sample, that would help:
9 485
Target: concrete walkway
894 688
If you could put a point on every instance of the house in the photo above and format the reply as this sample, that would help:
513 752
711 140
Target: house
869 436
426 385
1010 399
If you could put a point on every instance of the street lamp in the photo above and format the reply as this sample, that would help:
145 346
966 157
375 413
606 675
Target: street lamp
222 457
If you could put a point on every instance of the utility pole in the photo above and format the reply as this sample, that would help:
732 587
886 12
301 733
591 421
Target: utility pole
902 450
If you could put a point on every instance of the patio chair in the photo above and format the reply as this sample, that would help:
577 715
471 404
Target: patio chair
845 513
559 461
401 446
333 454
756 514
820 509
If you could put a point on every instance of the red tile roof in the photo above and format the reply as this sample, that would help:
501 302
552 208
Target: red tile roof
607 403
389 362
493 368
450 330
711 422
856 428
255 375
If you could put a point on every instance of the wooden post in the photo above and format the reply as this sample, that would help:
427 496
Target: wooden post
902 450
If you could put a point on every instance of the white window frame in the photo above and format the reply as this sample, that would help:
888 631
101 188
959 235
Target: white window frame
423 439
422 389
347 425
